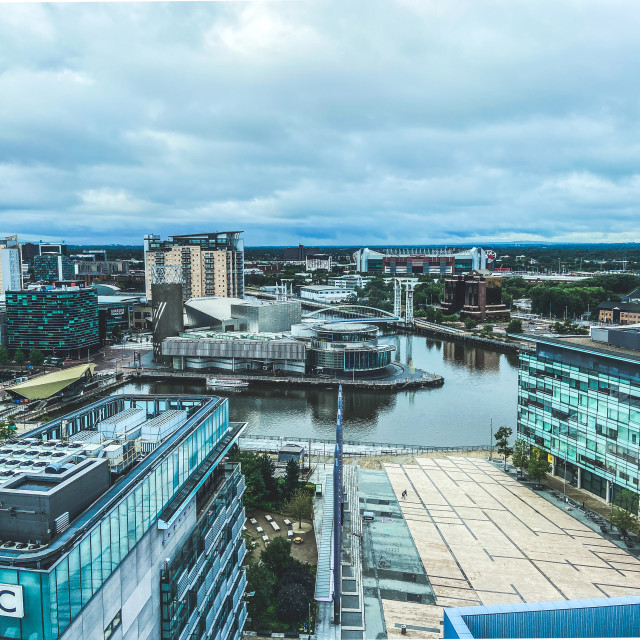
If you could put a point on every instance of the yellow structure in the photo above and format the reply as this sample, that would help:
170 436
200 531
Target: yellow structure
44 387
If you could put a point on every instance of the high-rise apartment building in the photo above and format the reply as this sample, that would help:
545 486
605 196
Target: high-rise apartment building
579 401
62 321
122 520
53 267
212 263
10 264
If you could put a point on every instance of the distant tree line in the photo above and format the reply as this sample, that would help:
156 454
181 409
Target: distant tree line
570 298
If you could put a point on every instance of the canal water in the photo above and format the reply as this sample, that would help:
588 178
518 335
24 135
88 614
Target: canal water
480 385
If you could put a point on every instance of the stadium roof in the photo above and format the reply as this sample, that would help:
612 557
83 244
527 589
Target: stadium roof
48 385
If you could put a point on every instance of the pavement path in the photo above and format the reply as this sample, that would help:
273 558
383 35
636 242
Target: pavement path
485 538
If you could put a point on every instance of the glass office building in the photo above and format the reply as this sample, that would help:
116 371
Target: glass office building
347 347
57 321
579 400
157 555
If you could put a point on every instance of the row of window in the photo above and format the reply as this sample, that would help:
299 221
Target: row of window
81 572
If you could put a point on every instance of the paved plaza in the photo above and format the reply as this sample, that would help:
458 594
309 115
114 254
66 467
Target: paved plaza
484 538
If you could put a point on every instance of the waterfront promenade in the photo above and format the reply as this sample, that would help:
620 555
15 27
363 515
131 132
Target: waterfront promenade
397 379
481 538
319 448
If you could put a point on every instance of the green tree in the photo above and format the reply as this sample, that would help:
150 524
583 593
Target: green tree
298 573
625 513
514 326
538 466
4 355
520 457
277 556
261 581
568 327
19 357
259 471
6 430
36 357
291 479
300 506
292 604
502 436
487 329
470 323
116 333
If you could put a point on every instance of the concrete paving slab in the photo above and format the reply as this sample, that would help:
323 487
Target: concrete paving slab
485 538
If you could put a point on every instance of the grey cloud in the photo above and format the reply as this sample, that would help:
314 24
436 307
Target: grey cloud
338 122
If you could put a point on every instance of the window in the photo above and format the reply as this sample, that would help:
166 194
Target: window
113 625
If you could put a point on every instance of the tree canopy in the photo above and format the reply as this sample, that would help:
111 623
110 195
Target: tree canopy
538 465
258 469
300 506
291 480
36 357
502 436
277 556
520 456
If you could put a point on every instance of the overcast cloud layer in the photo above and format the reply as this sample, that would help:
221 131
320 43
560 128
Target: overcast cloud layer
408 122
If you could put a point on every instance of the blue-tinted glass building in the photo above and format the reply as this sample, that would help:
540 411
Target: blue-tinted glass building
579 400
347 347
123 520
599 618
57 321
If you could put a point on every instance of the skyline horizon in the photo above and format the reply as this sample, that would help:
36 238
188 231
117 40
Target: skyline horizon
416 245
322 123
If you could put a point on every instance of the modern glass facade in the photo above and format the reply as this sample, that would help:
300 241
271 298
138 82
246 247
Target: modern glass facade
59 581
207 574
53 267
347 347
61 322
582 405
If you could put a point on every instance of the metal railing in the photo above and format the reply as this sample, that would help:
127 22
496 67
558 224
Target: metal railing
322 446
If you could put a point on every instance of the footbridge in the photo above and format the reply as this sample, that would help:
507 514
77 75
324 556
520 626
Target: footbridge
351 313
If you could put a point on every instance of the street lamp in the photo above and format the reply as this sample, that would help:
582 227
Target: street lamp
491 441
611 503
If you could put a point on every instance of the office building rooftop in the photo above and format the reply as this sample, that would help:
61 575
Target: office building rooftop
618 343
62 477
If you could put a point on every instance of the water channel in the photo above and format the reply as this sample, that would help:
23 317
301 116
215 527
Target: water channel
480 384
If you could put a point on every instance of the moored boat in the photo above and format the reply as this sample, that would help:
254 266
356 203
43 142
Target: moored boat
226 383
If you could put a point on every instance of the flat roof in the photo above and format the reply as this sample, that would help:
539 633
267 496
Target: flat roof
585 344
322 287
517 620
130 476
231 336
351 327
208 234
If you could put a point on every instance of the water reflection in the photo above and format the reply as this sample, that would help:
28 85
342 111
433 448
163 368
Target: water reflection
480 385
471 357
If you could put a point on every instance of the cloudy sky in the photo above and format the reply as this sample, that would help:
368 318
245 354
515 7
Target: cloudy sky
348 122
